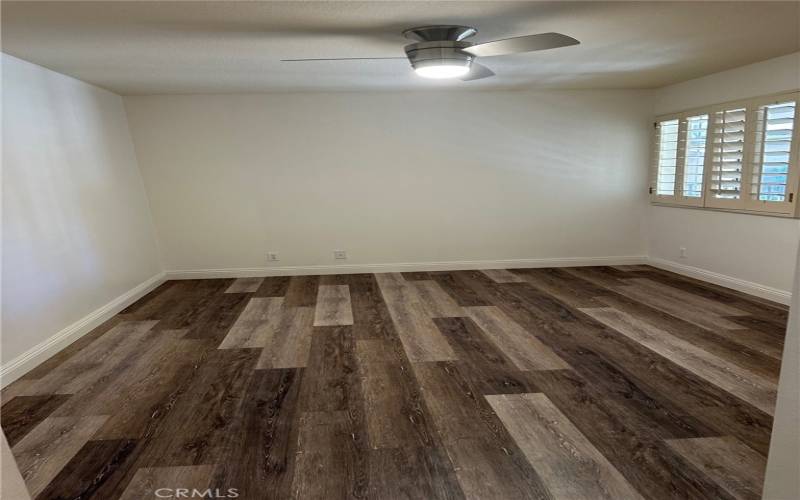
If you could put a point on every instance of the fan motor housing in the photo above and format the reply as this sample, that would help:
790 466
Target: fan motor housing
437 52
439 44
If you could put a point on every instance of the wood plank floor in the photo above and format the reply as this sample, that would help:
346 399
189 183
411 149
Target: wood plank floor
600 382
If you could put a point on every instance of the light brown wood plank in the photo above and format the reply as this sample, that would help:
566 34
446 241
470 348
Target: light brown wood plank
17 388
245 285
744 384
50 445
98 360
151 483
256 325
291 342
523 348
568 464
421 339
677 307
502 276
119 394
727 461
712 306
719 343
756 341
333 306
436 301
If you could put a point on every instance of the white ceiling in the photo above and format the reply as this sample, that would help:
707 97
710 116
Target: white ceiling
227 46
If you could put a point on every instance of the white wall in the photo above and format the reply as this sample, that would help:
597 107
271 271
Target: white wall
393 177
77 231
758 249
782 480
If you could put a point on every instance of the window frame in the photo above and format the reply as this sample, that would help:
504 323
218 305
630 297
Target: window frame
745 203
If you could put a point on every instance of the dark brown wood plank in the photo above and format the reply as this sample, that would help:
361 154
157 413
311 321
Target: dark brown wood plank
395 414
197 430
23 413
302 291
371 318
190 308
412 473
260 460
89 469
329 463
218 317
417 276
487 369
331 380
733 466
153 296
273 286
462 293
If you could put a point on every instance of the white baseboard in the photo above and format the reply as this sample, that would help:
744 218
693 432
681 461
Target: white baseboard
757 289
39 353
403 267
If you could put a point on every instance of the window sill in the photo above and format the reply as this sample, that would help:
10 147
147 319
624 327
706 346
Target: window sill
728 210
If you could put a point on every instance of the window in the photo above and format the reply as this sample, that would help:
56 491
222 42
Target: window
740 156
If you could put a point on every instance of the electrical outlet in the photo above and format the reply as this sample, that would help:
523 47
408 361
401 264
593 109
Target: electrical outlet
339 254
272 257
683 252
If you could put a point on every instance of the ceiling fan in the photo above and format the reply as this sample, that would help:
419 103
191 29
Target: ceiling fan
441 51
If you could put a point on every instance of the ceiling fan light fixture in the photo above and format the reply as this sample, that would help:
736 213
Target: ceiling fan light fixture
442 69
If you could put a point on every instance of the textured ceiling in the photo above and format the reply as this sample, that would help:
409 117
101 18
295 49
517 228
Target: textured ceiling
224 47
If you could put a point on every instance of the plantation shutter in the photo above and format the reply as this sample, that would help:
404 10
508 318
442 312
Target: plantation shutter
665 168
773 165
740 156
727 141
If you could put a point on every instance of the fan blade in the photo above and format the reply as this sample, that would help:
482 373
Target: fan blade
476 72
344 59
529 43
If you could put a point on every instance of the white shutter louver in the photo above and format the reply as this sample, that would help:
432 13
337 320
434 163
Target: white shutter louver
727 153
